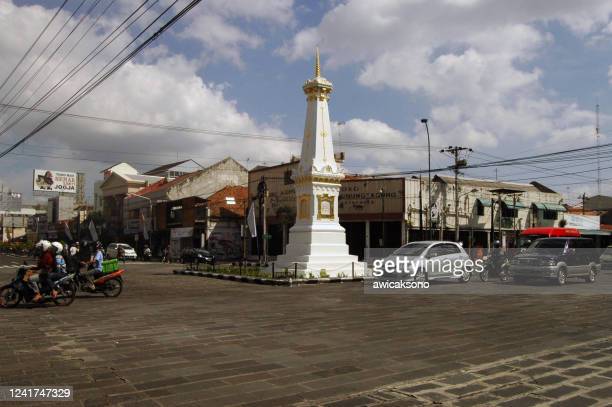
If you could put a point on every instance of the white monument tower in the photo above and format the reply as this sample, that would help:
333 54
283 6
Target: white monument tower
317 242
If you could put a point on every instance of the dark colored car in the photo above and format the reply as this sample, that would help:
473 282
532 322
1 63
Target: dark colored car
197 256
606 259
556 259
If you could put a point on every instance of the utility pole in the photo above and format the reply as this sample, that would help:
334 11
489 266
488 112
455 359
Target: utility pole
244 229
265 226
583 197
597 140
492 238
424 121
500 212
262 192
455 151
421 208
514 212
382 218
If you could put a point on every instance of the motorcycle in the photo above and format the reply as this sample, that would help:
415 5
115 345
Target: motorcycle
496 266
109 284
18 290
147 255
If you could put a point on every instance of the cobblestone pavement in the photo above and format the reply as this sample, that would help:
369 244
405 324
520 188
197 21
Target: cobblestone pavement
171 340
577 375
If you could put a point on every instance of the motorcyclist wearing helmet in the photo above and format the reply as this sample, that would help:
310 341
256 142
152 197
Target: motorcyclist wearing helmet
98 258
74 249
60 263
40 272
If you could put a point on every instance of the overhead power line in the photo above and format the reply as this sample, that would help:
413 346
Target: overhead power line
87 59
79 95
27 83
536 167
170 127
60 63
25 55
549 157
42 52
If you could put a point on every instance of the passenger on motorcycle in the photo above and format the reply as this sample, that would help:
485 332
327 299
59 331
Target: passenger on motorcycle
60 263
98 257
74 249
40 272
84 258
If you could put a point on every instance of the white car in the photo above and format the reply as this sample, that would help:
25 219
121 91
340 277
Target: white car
128 251
431 260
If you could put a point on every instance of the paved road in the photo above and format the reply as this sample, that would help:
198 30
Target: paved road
171 339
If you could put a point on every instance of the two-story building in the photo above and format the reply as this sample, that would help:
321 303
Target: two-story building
387 212
174 212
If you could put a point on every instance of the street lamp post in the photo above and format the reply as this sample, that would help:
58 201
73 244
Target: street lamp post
382 198
472 191
424 121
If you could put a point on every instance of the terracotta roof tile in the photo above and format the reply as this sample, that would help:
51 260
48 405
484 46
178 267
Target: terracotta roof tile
151 188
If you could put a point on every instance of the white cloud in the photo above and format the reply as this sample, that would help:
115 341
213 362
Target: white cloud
161 87
218 25
376 160
225 40
471 60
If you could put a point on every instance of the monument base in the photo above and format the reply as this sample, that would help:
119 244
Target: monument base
328 257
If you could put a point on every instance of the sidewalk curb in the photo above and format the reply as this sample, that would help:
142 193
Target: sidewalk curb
265 281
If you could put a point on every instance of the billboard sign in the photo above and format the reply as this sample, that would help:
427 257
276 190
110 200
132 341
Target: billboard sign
180 233
371 196
55 181
589 222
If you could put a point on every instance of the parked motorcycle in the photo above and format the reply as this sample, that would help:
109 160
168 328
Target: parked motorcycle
147 254
109 284
18 291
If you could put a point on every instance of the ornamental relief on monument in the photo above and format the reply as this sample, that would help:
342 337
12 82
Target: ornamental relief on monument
304 207
325 206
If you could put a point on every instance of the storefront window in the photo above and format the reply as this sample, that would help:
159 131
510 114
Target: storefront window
200 213
549 215
175 215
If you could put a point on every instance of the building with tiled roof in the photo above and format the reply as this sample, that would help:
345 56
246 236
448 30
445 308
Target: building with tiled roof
167 208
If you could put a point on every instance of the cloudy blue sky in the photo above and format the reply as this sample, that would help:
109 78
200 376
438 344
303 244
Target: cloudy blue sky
504 78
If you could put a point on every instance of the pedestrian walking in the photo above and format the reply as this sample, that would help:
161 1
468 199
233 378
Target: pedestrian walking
166 252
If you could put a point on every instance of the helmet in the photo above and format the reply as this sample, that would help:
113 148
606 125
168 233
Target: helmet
58 247
44 245
497 244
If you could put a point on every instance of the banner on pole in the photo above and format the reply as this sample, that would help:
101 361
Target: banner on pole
92 231
251 221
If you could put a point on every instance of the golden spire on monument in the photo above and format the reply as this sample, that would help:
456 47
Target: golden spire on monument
317 87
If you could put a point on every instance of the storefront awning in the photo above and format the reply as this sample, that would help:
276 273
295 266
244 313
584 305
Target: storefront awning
484 202
555 207
514 205
549 207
